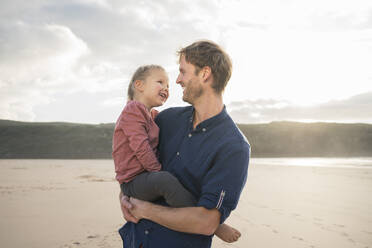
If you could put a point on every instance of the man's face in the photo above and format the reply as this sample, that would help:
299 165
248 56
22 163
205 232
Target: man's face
190 83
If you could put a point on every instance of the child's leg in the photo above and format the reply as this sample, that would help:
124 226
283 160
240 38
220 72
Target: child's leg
149 186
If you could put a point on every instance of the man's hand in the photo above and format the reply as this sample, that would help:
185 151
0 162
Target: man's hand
138 208
126 207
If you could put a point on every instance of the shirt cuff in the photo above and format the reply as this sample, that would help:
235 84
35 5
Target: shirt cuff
212 201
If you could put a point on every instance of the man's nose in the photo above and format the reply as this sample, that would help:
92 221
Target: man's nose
178 80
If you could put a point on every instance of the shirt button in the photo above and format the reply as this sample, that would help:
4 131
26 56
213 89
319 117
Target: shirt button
146 232
190 135
204 129
178 153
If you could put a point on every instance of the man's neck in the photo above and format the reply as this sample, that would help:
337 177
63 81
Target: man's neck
206 107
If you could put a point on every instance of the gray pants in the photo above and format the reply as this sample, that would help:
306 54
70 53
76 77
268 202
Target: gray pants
149 186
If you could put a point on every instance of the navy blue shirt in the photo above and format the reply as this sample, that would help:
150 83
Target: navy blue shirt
211 161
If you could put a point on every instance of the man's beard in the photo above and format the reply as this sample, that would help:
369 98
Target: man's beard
192 92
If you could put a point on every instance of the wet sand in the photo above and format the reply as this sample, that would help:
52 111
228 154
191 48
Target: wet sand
74 203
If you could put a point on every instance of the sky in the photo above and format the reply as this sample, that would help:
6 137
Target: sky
296 60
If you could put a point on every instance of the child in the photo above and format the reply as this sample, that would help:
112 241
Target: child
135 143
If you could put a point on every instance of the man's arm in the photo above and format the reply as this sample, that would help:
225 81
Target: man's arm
220 195
198 220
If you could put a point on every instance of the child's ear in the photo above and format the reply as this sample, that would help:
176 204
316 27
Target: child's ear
138 85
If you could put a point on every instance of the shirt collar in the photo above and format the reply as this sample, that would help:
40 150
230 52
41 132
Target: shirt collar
208 123
152 113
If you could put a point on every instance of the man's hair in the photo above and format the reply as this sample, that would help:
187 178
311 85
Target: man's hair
141 74
207 53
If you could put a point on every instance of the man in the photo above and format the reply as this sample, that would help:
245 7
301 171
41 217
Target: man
203 148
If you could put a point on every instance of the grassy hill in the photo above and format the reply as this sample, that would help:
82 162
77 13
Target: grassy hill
54 140
293 139
276 139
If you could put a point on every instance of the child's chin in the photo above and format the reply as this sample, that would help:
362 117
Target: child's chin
159 104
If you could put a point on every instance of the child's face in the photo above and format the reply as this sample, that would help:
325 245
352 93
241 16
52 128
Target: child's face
155 90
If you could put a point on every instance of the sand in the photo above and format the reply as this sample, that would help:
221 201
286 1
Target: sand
74 203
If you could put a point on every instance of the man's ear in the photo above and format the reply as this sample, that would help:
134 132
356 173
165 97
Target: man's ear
138 85
206 73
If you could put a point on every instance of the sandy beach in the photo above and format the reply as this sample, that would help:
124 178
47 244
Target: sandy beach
74 203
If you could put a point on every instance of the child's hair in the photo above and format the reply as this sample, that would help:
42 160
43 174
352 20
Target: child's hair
141 74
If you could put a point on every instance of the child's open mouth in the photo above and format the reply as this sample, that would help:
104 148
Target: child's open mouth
163 95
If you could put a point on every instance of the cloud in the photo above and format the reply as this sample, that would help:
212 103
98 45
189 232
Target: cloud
35 61
49 47
141 31
52 51
354 109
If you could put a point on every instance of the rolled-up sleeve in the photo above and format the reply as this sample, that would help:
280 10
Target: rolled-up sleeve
225 180
134 124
